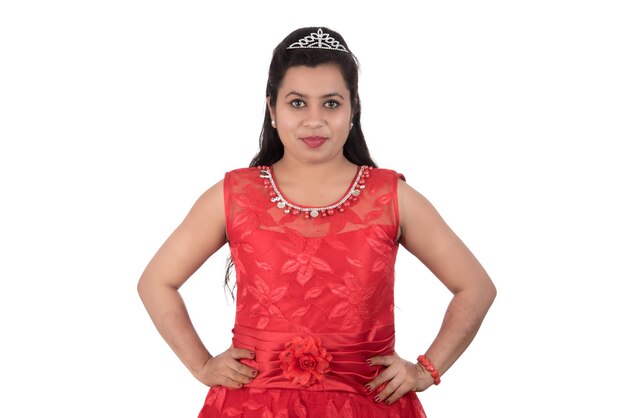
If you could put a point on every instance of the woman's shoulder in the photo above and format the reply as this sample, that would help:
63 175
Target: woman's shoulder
387 173
244 171
243 178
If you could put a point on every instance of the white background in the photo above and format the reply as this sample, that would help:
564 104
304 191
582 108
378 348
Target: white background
115 116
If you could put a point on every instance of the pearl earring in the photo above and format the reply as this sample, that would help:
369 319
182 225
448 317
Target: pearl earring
273 123
351 125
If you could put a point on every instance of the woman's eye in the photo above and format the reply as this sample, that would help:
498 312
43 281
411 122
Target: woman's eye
297 103
332 104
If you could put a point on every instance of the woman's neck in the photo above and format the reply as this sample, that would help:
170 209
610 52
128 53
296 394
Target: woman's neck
322 173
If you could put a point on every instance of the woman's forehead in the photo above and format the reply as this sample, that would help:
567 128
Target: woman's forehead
315 81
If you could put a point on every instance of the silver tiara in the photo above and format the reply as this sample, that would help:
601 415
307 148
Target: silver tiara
318 40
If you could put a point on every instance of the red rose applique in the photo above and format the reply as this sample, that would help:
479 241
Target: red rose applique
304 361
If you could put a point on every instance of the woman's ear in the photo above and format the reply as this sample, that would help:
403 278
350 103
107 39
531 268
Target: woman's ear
269 108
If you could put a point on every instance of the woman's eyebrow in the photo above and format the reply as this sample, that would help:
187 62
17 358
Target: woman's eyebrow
325 96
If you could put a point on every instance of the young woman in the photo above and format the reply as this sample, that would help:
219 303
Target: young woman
313 228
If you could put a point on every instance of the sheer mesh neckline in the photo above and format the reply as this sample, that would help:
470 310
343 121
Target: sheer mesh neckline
354 183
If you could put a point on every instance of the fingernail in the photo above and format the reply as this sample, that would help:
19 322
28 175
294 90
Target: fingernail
251 355
368 388
386 402
254 373
369 362
377 399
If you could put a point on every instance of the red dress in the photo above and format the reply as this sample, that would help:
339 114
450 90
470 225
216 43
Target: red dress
314 299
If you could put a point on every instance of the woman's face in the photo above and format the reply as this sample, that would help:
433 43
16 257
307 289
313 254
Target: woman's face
313 113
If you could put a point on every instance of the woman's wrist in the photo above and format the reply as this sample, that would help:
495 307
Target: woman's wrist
199 365
429 367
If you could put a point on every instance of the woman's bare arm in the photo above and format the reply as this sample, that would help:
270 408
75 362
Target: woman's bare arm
425 234
201 234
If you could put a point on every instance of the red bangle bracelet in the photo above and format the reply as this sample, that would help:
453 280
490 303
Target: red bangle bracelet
424 361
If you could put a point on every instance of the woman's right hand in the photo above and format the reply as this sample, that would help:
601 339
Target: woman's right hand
226 370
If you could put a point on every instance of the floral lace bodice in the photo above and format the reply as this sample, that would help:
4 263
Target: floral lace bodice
325 274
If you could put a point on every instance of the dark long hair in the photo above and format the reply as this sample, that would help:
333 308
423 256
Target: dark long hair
270 147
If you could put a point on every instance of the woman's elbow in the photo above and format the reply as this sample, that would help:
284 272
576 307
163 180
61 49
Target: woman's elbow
490 291
144 286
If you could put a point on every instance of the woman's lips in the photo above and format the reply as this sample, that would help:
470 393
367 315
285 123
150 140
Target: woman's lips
314 141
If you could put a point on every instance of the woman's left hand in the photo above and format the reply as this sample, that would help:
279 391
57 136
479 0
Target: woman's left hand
401 376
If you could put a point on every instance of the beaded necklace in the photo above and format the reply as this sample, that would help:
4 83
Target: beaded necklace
265 172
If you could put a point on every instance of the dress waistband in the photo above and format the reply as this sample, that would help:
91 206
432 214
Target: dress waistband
314 361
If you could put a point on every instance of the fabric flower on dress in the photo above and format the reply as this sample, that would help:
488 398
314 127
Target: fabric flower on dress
304 361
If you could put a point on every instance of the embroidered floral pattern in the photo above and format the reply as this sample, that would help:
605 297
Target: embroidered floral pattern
346 410
266 309
252 214
380 242
312 278
355 307
289 403
304 361
302 257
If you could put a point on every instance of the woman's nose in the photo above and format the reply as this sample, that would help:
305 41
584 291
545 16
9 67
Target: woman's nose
314 118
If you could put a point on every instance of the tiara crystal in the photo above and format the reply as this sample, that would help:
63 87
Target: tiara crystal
318 40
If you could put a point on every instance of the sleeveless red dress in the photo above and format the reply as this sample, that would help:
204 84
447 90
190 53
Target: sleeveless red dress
314 299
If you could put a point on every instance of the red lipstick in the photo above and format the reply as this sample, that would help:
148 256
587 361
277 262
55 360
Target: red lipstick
314 141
